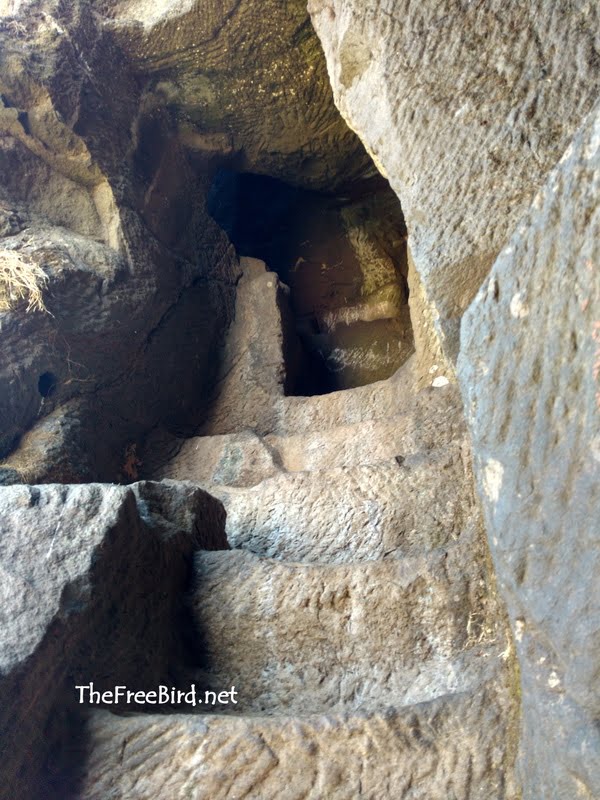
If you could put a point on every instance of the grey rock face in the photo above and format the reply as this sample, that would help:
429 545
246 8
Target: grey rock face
343 436
123 279
241 81
90 579
358 611
465 107
529 370
354 513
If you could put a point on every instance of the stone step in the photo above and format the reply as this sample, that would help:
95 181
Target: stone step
380 400
245 459
231 459
340 515
288 415
434 420
454 748
300 638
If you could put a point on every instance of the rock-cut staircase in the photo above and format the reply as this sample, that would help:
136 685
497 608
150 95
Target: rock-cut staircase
354 614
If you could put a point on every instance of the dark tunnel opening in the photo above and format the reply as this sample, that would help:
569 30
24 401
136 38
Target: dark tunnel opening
343 257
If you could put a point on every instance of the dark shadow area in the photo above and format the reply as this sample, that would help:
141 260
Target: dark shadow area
47 384
343 257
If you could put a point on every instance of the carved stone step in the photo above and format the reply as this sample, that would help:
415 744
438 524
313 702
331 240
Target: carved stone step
453 748
375 511
245 459
300 638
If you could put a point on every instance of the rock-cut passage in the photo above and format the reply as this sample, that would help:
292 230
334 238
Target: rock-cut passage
347 595
354 614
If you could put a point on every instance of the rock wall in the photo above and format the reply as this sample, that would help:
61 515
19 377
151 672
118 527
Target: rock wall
464 106
243 80
530 369
114 118
121 282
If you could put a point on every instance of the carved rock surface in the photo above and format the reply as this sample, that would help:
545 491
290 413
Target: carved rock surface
90 581
245 459
465 107
433 751
529 369
353 513
113 122
300 637
123 279
248 82
357 599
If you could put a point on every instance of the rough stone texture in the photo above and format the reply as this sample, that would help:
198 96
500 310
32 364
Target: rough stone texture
433 420
249 393
235 459
247 82
299 638
113 121
448 748
465 107
430 358
252 371
245 459
280 415
354 513
355 532
370 611
529 368
124 281
90 580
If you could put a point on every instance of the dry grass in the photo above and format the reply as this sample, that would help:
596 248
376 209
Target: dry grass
20 280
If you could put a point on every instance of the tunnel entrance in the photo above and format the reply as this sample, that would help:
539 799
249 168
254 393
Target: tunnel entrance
343 257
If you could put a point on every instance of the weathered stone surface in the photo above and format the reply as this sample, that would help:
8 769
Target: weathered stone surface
433 420
105 174
245 459
529 369
354 513
250 389
235 459
252 373
121 270
91 583
299 638
114 121
465 107
449 748
241 81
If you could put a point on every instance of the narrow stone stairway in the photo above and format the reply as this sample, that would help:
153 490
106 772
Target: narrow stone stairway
355 613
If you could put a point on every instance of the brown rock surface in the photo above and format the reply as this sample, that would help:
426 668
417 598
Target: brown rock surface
113 122
357 614
353 513
343 549
396 754
120 275
299 638
250 83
